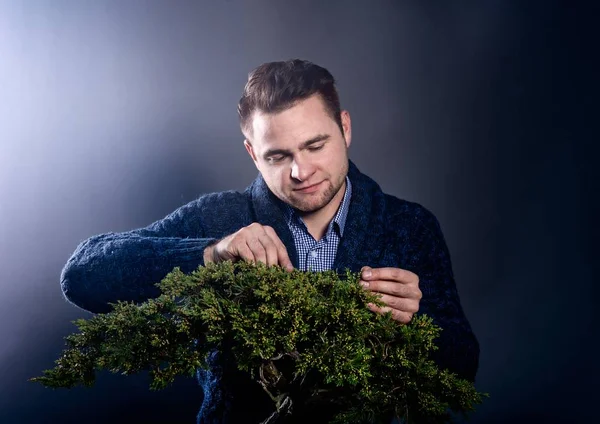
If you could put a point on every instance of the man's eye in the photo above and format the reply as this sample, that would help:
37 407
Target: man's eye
277 158
315 148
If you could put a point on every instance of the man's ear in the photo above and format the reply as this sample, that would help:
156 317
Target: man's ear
250 151
347 126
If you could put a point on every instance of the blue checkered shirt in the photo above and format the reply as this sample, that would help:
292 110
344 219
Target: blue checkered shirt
319 255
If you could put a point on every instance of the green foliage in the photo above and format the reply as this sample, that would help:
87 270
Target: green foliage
305 337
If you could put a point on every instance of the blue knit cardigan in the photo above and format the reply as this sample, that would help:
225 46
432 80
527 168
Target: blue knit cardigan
381 231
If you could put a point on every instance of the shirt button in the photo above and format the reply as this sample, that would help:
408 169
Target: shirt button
313 254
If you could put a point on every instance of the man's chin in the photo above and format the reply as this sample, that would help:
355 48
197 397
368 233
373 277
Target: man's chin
310 203
306 207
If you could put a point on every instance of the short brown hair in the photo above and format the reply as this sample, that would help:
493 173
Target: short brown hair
276 86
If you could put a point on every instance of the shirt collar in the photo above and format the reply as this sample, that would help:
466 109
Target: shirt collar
339 220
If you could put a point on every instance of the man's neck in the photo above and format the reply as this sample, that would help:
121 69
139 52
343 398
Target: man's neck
317 222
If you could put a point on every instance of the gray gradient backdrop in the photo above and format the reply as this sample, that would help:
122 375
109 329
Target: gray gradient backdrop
114 113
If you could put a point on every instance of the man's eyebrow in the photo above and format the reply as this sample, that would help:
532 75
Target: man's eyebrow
304 145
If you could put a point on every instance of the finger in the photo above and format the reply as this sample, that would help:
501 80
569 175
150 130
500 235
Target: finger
390 274
270 249
260 254
393 289
283 258
400 304
400 316
243 251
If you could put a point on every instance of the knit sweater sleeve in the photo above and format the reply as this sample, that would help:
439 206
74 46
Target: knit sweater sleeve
458 346
126 266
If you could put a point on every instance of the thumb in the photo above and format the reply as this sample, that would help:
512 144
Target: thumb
366 272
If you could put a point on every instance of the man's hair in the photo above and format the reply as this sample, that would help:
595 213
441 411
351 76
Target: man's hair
276 86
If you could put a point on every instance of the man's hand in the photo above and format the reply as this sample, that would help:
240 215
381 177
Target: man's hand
255 243
399 290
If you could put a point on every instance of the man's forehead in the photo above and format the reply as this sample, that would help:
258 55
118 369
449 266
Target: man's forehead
271 132
290 126
265 126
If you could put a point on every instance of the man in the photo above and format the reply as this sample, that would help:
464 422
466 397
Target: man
309 208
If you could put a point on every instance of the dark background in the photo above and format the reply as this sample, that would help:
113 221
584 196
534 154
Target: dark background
114 113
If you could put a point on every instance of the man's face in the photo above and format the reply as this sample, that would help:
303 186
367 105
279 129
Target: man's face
301 154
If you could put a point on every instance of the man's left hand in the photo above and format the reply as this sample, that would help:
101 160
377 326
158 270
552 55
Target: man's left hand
399 290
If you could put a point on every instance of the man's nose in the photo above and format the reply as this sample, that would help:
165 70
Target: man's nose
302 169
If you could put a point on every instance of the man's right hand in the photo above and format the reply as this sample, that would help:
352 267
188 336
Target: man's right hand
255 243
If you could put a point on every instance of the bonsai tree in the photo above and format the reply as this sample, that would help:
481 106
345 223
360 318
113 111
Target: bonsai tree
306 337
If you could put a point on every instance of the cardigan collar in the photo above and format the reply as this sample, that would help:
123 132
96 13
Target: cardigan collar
364 217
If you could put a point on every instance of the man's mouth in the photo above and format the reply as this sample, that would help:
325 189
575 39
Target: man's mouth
309 189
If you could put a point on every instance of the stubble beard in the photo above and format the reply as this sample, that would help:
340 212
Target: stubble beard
309 205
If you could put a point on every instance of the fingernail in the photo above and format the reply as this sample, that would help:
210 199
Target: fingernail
289 267
364 284
367 273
